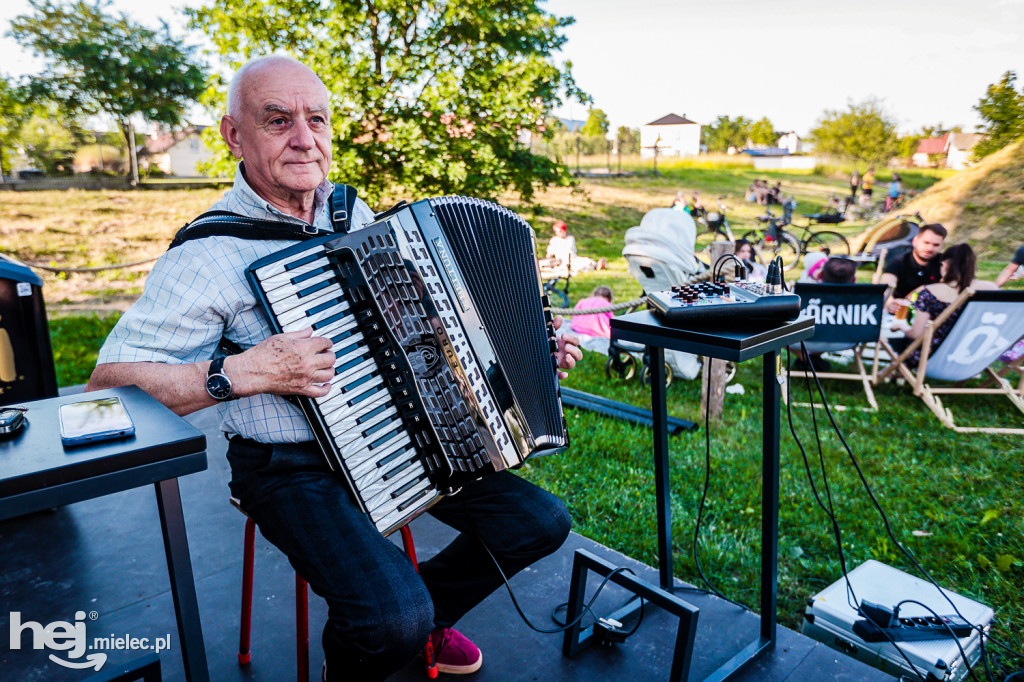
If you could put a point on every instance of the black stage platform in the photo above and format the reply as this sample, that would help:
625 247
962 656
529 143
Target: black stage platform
106 555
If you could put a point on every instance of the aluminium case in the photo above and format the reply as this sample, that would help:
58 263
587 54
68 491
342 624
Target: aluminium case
829 619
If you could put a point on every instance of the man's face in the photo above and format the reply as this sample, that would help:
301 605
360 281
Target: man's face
284 131
926 245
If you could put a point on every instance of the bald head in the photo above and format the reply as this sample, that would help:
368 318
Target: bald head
279 124
252 71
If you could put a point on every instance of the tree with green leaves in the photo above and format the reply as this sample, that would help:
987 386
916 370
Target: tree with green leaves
428 98
864 132
596 125
628 140
50 138
102 63
1002 109
726 132
763 132
14 112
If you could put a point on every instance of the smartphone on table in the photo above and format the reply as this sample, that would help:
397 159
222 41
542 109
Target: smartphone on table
90 421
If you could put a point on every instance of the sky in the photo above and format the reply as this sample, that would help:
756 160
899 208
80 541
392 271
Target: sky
928 61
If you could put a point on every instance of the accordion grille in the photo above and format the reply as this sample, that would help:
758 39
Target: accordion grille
503 281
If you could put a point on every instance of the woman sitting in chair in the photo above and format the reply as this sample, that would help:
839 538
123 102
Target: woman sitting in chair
958 267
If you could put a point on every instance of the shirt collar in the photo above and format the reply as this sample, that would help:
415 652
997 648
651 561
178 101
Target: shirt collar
321 219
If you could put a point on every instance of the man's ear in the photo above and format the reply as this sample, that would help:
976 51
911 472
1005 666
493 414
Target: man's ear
229 131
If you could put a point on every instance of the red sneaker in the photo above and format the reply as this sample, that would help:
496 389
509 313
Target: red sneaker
454 653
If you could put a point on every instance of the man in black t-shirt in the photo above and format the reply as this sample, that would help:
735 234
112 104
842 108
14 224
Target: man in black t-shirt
918 267
1013 270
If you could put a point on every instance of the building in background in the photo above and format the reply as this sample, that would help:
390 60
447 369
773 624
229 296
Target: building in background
930 152
176 153
791 142
960 148
674 136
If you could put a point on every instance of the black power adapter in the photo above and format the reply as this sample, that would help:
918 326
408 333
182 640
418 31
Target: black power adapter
609 631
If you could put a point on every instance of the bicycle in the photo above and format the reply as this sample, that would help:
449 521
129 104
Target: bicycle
826 241
774 241
716 227
791 247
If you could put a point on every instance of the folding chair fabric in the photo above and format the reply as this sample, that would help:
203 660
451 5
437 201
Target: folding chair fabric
989 324
846 316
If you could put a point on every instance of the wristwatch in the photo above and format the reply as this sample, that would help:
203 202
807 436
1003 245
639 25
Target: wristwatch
218 385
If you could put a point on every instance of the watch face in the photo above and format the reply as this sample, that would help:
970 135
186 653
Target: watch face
218 386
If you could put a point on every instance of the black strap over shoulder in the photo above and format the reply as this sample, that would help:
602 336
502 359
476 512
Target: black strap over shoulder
228 224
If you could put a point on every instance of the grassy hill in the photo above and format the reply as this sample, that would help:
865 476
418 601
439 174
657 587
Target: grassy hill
984 205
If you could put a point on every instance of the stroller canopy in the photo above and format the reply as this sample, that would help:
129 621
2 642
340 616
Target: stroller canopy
665 235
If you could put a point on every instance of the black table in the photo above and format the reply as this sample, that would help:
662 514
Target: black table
37 472
749 339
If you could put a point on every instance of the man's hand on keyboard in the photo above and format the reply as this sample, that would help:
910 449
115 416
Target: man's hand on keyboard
568 353
294 363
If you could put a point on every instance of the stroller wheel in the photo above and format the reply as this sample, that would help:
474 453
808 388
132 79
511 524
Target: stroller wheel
645 375
620 366
730 371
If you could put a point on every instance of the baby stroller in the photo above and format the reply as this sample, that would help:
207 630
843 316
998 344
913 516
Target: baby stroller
659 253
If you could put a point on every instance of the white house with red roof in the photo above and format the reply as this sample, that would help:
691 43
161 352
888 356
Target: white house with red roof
928 152
960 149
673 135
175 153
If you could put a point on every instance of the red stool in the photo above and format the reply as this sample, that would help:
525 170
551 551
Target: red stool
301 605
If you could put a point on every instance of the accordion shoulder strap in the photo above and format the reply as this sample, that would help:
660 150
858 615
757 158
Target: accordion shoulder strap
228 224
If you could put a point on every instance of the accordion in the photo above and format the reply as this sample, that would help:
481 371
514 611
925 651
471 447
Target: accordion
444 350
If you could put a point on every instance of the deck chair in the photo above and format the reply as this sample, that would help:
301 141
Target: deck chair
846 316
989 324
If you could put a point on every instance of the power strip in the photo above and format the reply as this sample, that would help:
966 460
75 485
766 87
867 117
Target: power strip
913 629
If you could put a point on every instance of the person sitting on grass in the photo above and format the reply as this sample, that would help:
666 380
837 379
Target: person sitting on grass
958 266
561 252
594 329
696 207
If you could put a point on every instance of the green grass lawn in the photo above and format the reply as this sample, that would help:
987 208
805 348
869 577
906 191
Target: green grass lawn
953 500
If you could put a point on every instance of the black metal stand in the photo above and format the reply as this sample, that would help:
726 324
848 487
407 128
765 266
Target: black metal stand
577 638
753 339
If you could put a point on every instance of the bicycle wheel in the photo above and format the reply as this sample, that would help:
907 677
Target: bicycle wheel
831 243
786 245
558 298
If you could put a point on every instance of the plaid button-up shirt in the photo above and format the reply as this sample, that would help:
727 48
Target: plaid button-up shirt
197 293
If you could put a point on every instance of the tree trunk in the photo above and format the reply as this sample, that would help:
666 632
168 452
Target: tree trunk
712 377
128 133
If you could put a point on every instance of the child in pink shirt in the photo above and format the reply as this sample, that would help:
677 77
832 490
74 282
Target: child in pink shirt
594 324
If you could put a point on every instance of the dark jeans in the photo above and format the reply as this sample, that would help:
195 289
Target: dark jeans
380 611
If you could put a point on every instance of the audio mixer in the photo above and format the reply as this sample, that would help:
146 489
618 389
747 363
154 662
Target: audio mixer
718 302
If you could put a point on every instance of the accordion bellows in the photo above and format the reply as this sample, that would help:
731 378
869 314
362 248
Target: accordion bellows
444 349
